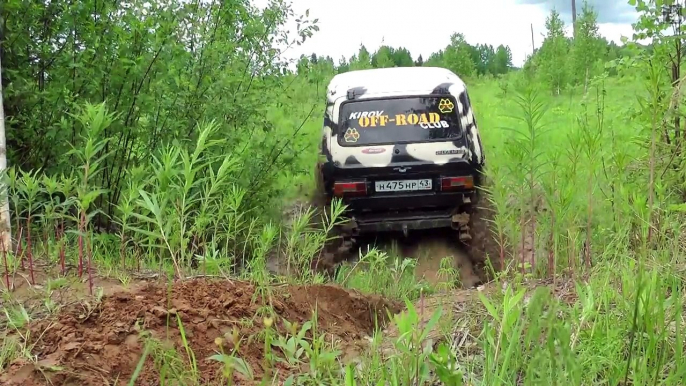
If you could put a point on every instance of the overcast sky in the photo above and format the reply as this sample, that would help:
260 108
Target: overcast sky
425 26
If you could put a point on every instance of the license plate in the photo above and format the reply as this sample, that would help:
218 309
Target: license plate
403 185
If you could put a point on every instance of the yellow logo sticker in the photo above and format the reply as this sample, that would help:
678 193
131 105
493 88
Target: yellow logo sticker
351 135
446 106
399 120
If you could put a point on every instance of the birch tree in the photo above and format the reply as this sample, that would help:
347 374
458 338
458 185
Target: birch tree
587 47
554 53
5 225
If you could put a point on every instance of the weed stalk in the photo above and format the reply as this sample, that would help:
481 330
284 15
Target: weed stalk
6 263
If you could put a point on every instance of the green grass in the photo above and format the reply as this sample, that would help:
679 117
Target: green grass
550 159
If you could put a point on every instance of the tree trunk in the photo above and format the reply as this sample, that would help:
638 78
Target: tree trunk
574 17
586 82
5 226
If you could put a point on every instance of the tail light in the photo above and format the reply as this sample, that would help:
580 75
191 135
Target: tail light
456 183
350 188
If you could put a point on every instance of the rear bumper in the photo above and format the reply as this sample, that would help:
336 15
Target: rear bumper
407 202
392 222
403 213
414 210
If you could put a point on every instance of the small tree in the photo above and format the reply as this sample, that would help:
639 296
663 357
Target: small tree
363 60
383 58
553 60
503 60
587 47
457 56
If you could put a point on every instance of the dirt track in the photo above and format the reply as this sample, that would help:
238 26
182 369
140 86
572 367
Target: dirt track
429 248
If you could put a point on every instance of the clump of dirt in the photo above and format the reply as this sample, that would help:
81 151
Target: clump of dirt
103 344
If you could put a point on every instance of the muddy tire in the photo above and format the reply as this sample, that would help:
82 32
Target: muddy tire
341 244
483 248
319 199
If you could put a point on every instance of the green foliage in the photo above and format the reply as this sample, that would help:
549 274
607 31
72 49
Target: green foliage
383 58
160 68
553 59
378 272
501 62
362 61
387 56
587 47
457 57
561 61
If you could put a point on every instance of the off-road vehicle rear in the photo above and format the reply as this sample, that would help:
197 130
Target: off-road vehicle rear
400 147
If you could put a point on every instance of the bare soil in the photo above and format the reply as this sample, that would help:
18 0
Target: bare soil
101 344
430 248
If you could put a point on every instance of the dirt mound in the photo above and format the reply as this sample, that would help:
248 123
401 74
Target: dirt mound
103 344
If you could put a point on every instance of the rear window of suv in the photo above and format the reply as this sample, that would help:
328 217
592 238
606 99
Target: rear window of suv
398 120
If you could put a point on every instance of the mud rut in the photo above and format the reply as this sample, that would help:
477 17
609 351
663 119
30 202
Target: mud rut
428 247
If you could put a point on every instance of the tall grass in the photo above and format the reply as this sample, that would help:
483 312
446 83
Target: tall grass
184 210
580 199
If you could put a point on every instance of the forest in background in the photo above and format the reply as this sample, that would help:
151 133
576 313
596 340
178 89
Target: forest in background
562 60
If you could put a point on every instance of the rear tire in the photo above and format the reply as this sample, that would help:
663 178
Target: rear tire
341 243
483 248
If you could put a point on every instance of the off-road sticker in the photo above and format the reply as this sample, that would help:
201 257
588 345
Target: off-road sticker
434 125
351 135
401 120
365 114
446 106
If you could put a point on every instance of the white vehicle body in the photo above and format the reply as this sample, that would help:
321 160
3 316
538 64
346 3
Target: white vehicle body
399 82
400 146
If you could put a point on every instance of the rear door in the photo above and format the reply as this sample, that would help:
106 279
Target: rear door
400 144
